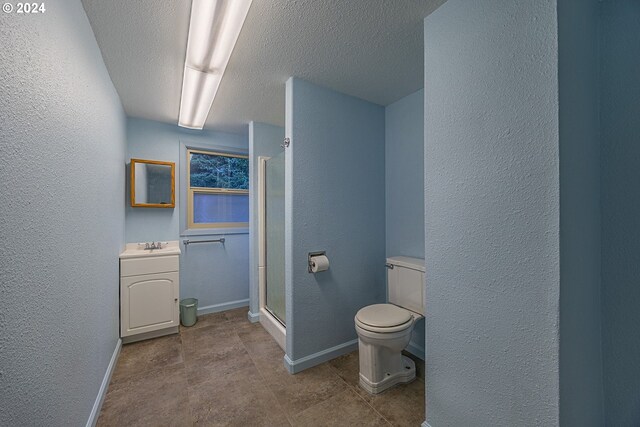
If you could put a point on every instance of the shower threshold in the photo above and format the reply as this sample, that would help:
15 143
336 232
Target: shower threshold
274 326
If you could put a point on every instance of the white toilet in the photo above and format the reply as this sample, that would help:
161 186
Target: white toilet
384 330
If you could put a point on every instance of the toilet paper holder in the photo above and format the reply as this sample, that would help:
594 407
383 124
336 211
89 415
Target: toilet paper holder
311 255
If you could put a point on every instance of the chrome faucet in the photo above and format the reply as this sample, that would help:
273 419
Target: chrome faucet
152 245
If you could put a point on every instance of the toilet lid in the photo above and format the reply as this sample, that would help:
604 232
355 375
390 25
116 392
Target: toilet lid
383 315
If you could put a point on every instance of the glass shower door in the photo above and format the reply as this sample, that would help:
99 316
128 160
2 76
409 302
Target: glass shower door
274 236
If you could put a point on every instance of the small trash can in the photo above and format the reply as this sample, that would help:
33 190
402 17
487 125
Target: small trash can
189 311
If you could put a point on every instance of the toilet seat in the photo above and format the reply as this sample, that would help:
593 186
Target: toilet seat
384 318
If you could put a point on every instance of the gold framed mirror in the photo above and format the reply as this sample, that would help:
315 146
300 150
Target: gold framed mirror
152 184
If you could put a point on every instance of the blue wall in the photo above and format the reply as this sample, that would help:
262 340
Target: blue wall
218 275
335 179
580 320
404 175
264 140
492 213
404 186
160 141
62 168
620 120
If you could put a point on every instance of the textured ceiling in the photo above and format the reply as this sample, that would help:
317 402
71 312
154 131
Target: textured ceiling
371 49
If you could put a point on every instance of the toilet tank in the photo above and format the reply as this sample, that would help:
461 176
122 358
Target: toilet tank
405 283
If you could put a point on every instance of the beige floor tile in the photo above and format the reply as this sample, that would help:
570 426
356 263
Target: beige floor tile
148 355
217 364
258 345
343 409
304 389
129 382
218 320
253 332
148 400
268 358
211 341
402 405
238 315
235 400
228 371
348 368
265 352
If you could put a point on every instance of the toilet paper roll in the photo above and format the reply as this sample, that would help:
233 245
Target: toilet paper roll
319 263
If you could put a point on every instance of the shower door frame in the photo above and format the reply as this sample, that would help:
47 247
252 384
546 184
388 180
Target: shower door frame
268 321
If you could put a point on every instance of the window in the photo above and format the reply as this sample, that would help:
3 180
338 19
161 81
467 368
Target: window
217 189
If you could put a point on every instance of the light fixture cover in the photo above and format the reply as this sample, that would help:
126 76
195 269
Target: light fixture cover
213 31
198 91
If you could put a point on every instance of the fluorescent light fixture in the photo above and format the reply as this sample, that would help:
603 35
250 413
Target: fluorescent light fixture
213 31
198 91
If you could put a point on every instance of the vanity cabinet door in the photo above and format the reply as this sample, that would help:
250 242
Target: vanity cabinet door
149 302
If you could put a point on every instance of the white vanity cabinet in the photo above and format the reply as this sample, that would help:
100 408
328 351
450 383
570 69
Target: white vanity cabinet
149 292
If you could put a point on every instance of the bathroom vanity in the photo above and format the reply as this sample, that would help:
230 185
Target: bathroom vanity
149 290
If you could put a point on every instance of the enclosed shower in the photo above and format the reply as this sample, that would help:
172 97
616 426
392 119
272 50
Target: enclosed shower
272 289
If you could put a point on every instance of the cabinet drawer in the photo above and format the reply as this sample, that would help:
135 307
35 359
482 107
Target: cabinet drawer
150 265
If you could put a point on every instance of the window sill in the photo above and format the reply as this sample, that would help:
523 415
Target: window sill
214 231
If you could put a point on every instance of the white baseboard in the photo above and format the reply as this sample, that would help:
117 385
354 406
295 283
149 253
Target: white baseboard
425 424
415 350
294 366
223 306
102 392
253 317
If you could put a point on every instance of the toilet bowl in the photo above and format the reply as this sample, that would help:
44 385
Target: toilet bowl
384 330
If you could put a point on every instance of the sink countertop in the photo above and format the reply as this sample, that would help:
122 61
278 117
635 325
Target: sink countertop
136 250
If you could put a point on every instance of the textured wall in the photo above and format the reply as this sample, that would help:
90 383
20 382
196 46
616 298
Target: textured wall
404 186
620 113
213 273
492 214
580 355
62 168
404 176
337 159
264 140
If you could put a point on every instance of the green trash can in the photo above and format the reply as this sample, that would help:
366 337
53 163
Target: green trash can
189 311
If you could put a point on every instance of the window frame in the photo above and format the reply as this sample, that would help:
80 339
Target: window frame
191 191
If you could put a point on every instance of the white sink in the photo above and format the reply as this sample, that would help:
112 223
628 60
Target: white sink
137 250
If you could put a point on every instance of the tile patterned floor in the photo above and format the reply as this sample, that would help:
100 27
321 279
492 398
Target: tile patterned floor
225 371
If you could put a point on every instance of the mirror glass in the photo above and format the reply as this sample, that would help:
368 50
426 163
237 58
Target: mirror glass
152 184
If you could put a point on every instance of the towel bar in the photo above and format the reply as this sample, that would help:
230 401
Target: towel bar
190 242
